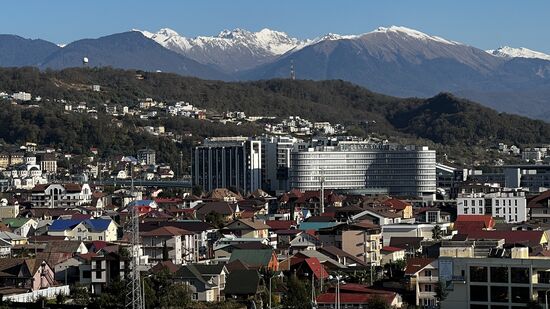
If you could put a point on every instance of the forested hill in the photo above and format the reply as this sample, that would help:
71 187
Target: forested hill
443 119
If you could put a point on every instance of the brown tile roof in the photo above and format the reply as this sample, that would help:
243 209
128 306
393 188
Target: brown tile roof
166 231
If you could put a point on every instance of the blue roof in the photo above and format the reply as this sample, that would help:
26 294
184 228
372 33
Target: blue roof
140 203
96 225
60 225
306 226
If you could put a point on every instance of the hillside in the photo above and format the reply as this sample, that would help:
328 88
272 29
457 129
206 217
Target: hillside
443 120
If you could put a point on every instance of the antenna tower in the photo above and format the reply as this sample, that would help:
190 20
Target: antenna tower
134 297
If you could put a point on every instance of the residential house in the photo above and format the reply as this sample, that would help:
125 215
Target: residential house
90 229
256 259
106 268
423 278
13 239
168 243
31 274
206 282
391 254
353 295
227 210
247 228
243 284
21 226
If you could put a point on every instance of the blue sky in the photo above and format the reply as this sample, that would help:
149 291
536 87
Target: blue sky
481 23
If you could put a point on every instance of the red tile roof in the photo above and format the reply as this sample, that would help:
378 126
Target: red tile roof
391 249
487 220
354 298
414 265
532 238
276 225
396 204
316 267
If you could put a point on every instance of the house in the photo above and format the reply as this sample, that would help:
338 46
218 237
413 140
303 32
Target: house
247 228
206 282
256 259
72 247
411 245
379 214
106 268
353 295
423 278
90 229
391 254
304 241
401 207
243 284
168 243
12 238
361 239
21 226
30 274
227 210
423 230
61 195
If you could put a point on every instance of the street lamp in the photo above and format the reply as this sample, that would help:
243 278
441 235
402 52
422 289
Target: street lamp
337 278
279 275
546 298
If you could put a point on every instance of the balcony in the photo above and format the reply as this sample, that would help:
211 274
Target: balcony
426 294
427 279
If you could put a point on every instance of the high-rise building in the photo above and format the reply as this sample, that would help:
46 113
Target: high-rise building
228 162
147 156
276 161
363 166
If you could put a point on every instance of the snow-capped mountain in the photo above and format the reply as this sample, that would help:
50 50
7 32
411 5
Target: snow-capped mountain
522 52
231 50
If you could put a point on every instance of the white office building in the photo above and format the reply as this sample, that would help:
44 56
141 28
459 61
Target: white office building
510 206
355 166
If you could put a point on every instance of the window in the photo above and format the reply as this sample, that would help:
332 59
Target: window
86 274
499 274
497 203
465 203
497 211
499 294
478 274
473 211
428 273
428 288
519 274
195 296
520 295
478 293
465 211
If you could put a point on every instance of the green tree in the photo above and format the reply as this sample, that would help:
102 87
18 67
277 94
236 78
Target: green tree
80 295
377 302
175 295
196 190
441 291
437 233
216 219
297 296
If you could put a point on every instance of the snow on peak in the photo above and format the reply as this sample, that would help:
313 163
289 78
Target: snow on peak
412 33
521 52
264 41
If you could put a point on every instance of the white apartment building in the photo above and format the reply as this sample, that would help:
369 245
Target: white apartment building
61 195
510 206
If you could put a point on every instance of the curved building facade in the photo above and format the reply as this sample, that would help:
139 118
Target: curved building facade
397 170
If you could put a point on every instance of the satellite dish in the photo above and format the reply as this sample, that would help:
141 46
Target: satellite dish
85 60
